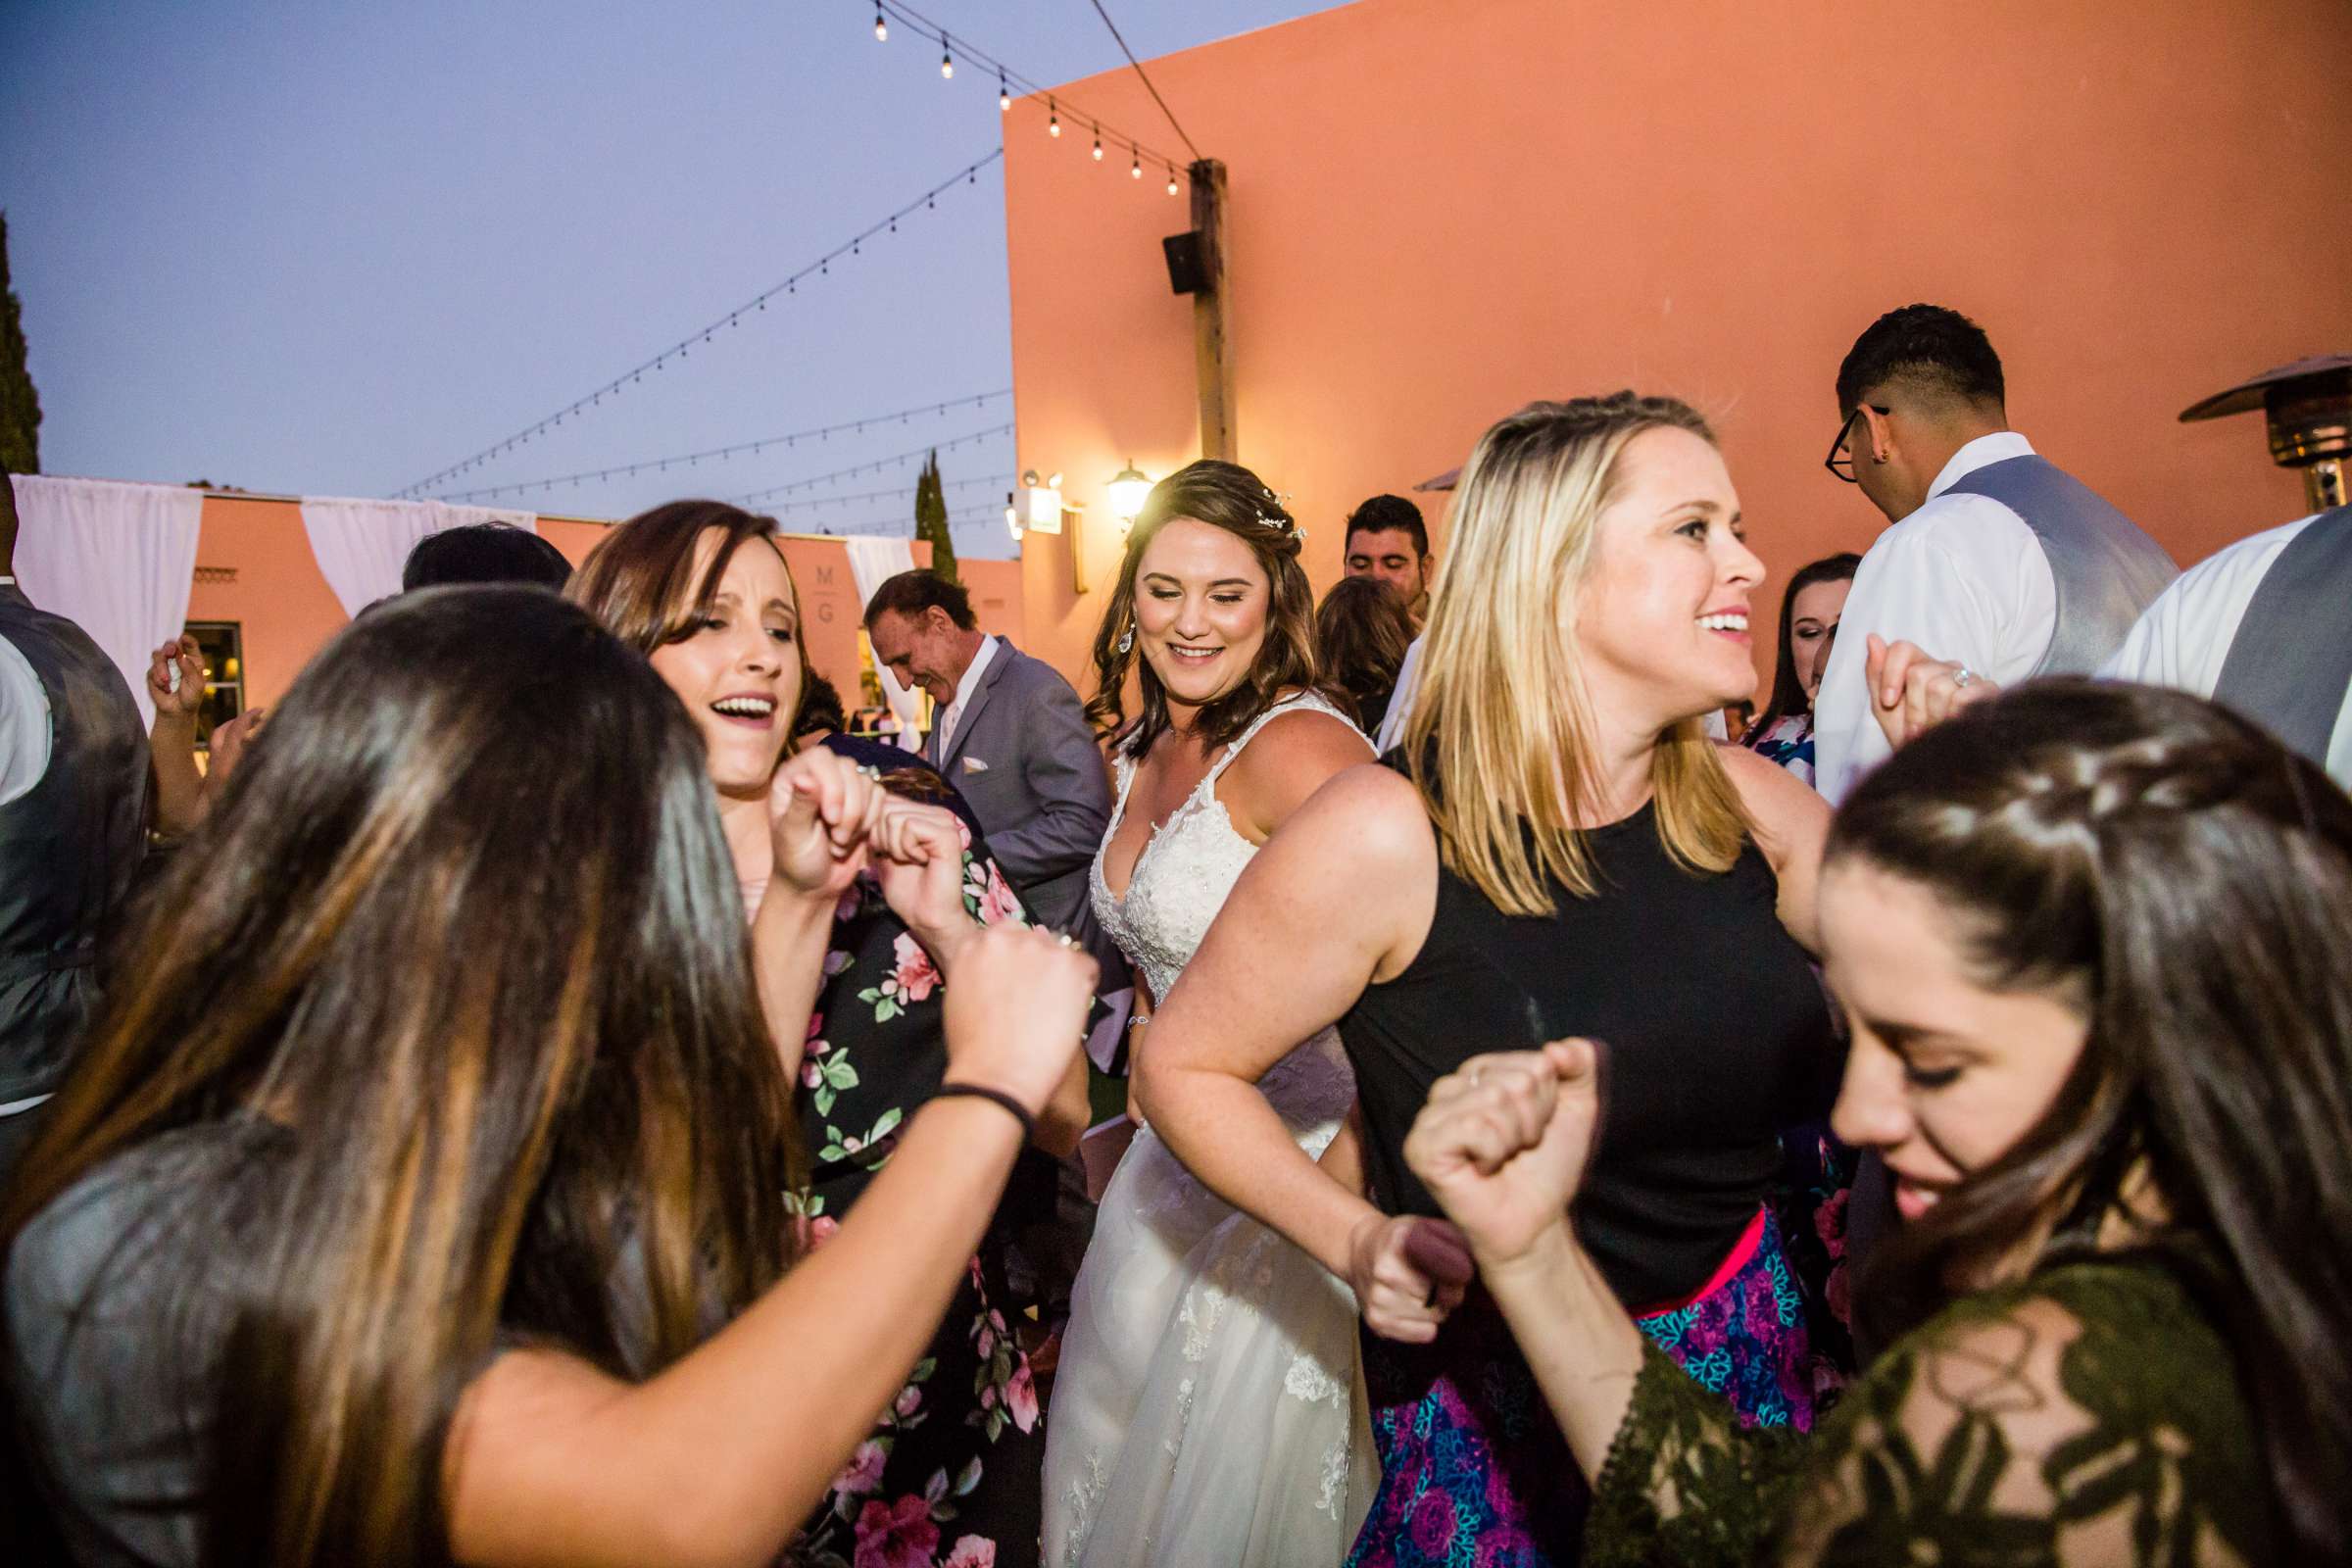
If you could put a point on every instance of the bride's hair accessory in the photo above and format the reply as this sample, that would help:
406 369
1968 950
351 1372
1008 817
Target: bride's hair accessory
1287 523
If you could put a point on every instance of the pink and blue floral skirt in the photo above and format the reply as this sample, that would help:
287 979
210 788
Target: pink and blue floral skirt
1474 1472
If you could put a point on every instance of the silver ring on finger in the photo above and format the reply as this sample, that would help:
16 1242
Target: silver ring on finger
1962 675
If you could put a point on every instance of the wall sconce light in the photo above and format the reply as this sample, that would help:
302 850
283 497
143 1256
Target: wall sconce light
1128 489
1037 505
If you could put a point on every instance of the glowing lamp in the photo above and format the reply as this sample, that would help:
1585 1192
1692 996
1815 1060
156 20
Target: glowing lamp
1128 489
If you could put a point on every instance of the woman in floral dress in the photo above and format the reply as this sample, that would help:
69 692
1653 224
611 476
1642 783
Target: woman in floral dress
950 1476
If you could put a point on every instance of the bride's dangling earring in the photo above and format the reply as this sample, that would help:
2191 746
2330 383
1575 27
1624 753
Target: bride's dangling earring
1127 640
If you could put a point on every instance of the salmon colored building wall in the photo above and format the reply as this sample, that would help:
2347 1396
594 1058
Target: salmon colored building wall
1441 209
254 566
280 600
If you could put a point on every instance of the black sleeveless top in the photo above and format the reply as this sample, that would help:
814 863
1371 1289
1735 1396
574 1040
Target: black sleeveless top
1716 1028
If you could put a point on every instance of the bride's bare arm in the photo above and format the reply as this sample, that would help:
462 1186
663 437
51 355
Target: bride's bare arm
1340 897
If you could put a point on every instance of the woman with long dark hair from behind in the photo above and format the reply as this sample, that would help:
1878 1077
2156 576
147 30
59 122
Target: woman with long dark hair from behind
2094 941
1809 611
702 590
417 1196
1363 629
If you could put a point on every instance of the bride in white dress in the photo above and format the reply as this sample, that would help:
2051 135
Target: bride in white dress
1208 1407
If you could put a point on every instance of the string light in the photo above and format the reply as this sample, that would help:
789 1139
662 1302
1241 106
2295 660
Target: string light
946 60
868 526
873 466
1171 180
635 376
881 26
806 503
952 50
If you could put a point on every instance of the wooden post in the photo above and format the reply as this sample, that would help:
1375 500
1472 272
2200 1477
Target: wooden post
1212 334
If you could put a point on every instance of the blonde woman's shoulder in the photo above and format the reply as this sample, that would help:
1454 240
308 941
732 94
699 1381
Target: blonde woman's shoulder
1789 822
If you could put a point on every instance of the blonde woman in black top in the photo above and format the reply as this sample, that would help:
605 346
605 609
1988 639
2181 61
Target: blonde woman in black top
1559 848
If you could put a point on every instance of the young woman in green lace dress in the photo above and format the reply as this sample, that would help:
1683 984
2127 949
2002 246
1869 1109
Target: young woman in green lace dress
2096 941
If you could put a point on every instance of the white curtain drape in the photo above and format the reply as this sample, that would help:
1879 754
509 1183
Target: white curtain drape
116 558
362 545
874 561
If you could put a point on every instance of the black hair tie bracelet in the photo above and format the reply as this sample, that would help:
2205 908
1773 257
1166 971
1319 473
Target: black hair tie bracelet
994 1096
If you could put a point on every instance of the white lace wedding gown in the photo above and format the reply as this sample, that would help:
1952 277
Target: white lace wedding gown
1207 1409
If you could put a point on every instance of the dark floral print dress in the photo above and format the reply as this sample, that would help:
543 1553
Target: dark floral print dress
1809 1201
950 1477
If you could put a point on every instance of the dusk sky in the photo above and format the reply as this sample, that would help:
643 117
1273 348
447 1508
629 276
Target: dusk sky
332 249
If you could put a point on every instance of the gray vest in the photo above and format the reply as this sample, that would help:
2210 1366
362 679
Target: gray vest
67 847
2289 664
2106 571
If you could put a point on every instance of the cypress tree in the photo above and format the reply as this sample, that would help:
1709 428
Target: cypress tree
19 404
931 518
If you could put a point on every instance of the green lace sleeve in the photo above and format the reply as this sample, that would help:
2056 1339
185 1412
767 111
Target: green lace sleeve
1684 1483
2089 1415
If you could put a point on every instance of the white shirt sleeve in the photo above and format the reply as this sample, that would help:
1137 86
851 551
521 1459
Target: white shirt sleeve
2183 638
1400 702
1964 578
23 725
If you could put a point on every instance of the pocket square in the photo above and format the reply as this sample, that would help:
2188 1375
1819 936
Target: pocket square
974 765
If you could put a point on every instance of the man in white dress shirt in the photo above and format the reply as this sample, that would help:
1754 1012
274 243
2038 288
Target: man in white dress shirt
1997 558
2260 625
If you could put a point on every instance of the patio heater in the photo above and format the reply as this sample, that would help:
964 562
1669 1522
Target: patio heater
2308 406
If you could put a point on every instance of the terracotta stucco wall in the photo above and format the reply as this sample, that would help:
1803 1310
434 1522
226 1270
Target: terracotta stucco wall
272 589
1441 209
287 612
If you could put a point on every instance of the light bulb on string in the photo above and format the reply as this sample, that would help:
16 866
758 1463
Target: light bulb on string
1052 118
1135 170
1171 180
881 26
1098 144
1003 94
946 60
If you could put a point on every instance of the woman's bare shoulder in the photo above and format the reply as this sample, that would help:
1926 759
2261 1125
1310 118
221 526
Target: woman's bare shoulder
1781 805
1286 761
